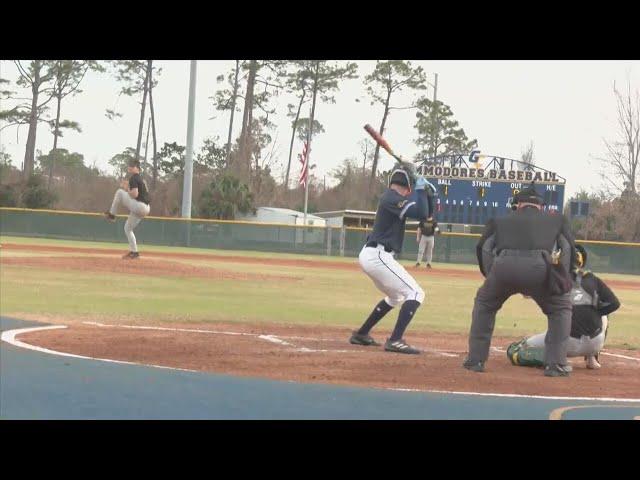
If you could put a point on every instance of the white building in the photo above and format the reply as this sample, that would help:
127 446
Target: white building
349 218
282 215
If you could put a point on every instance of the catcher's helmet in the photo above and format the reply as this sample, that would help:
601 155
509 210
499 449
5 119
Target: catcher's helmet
581 256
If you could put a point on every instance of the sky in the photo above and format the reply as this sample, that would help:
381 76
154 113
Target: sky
565 108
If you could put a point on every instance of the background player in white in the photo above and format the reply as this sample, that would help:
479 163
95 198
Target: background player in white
134 196
377 257
426 240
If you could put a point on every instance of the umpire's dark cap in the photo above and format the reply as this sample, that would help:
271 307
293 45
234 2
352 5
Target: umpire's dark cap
529 194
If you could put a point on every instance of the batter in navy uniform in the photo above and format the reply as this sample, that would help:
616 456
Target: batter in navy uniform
407 196
515 255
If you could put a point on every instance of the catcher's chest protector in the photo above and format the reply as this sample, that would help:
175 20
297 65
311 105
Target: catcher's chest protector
579 296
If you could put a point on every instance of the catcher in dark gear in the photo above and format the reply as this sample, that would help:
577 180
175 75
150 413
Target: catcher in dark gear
516 255
592 302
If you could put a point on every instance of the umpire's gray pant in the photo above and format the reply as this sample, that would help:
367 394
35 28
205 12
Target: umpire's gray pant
519 272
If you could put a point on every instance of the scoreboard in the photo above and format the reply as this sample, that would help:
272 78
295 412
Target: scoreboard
473 202
471 195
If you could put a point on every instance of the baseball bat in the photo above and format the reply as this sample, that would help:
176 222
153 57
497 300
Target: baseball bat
381 141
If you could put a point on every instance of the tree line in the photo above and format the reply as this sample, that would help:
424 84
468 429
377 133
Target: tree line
236 174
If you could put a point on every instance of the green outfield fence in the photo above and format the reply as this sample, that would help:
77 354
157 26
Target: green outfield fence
609 257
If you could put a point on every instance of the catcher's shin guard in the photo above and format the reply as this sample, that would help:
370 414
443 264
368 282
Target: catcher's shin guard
524 356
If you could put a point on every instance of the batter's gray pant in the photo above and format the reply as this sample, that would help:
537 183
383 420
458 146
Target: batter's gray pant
137 211
576 347
526 273
426 244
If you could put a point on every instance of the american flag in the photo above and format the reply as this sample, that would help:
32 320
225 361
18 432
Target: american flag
304 160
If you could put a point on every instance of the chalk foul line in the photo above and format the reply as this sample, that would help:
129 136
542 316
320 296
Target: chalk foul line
620 356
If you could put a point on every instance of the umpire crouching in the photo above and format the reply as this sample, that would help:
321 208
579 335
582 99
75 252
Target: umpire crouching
516 255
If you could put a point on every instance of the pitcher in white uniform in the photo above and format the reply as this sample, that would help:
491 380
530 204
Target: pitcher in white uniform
134 196
425 236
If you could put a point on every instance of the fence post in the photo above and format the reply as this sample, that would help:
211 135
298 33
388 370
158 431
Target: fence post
187 227
447 254
343 234
328 238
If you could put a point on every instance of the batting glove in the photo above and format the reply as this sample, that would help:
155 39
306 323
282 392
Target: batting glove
421 183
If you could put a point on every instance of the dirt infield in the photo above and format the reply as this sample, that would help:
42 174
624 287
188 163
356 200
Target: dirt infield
144 266
323 355
449 272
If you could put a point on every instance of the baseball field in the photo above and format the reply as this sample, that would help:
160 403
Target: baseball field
285 317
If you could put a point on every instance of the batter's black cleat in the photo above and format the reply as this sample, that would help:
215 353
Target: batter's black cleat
131 255
417 265
109 217
557 370
429 266
473 366
400 346
360 339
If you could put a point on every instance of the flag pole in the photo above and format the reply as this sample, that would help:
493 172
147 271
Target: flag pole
305 165
309 136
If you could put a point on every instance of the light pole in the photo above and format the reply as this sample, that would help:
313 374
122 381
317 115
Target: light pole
188 161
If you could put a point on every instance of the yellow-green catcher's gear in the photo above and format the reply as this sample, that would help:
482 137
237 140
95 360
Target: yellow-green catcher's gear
519 353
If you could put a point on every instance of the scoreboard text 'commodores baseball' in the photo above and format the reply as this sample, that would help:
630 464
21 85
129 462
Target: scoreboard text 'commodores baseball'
472 188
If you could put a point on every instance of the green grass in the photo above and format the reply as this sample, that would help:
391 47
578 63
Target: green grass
227 253
322 296
154 248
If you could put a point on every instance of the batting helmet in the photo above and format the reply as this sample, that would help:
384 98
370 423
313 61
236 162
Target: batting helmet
404 174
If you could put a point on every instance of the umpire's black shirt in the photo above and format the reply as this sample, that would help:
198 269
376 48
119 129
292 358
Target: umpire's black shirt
526 229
